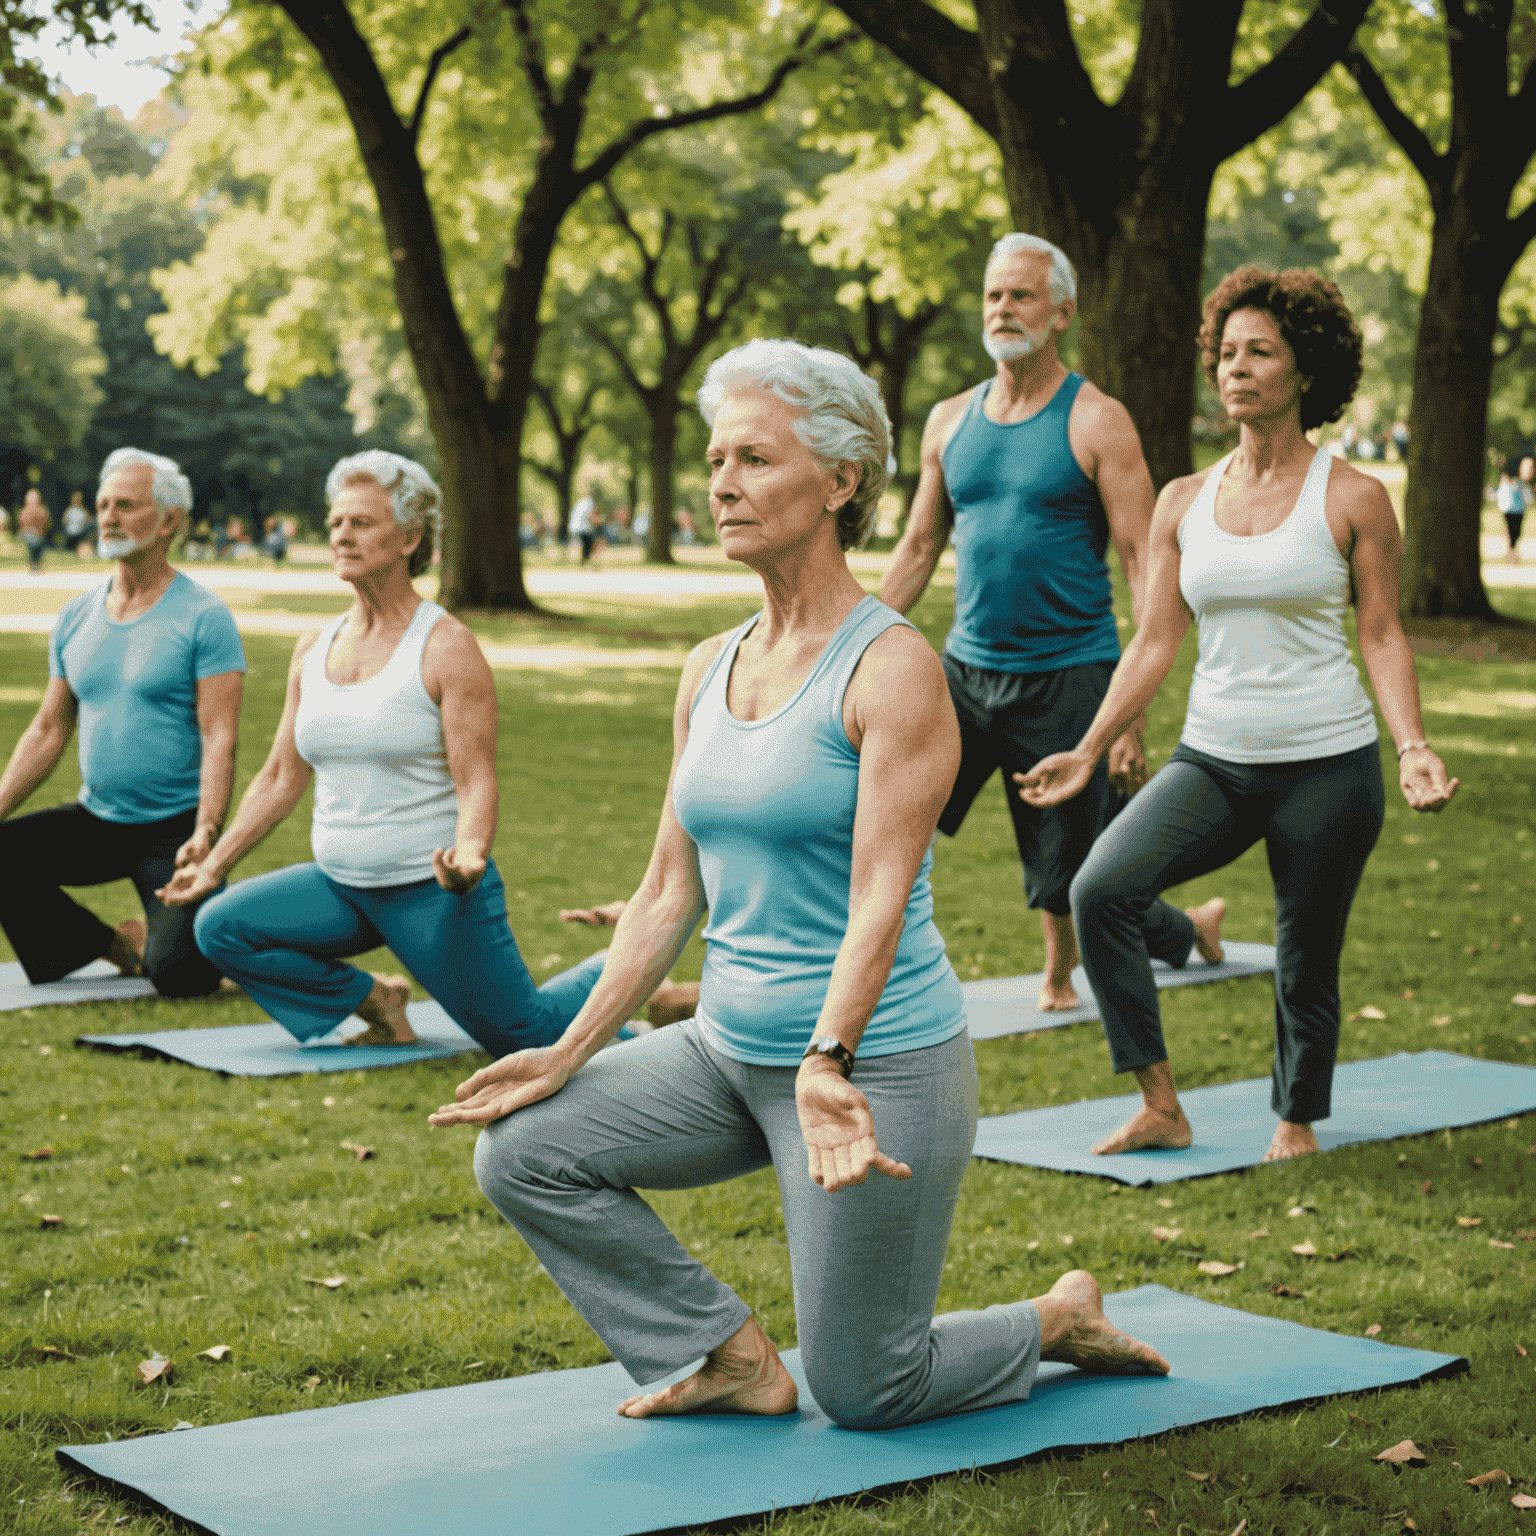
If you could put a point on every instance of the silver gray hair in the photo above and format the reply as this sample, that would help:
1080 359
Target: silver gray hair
1063 279
414 499
170 490
844 417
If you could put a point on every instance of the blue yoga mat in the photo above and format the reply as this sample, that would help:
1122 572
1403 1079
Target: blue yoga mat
268 1050
548 1454
1006 1005
98 982
1402 1095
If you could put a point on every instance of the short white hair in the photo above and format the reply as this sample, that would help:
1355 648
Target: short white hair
170 490
1063 278
844 419
414 499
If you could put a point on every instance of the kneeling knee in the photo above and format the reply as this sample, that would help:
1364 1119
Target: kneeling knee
210 930
853 1401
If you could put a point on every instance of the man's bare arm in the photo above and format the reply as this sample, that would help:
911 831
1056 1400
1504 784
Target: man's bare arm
218 723
1104 435
929 518
37 752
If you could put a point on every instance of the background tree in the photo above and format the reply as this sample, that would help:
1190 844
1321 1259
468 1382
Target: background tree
1488 127
573 390
1123 184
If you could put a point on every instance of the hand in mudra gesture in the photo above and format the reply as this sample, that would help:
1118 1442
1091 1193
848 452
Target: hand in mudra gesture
1055 778
495 1091
458 871
190 884
839 1130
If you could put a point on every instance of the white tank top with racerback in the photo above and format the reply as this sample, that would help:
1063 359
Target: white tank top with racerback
384 798
1274 682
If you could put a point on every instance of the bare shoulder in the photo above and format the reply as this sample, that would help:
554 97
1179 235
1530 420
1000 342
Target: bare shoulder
899 667
699 661
942 421
452 640
1359 496
1178 496
306 644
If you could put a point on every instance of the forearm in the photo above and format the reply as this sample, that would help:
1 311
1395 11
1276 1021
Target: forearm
33 759
652 933
1389 660
1132 688
478 810
864 960
913 563
268 801
216 782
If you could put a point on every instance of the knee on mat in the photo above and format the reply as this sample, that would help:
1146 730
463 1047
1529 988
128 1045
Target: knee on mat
852 1401
191 977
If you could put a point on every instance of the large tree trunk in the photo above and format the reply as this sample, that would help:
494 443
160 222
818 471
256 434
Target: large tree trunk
663 418
1448 427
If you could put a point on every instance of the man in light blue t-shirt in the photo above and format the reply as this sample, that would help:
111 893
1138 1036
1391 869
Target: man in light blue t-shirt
150 667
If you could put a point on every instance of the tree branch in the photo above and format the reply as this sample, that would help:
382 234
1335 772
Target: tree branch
435 63
1256 104
645 391
933 47
533 63
1411 139
637 133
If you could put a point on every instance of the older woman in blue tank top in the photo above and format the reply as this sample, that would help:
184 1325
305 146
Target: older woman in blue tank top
1266 550
391 708
814 746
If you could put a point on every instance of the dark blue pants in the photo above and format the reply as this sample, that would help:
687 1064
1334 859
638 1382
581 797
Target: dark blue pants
1319 821
284 937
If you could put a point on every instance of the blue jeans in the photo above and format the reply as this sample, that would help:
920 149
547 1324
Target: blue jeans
284 937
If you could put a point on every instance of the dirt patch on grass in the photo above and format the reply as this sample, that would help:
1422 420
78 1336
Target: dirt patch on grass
1503 639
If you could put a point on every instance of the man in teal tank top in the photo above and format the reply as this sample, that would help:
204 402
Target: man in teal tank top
1034 473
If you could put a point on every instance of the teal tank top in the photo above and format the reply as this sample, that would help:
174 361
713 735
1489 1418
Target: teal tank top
1032 587
770 805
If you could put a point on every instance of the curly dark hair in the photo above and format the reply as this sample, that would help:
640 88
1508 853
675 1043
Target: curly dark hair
1311 315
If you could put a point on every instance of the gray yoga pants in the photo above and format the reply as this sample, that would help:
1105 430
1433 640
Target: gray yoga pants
1319 820
667 1111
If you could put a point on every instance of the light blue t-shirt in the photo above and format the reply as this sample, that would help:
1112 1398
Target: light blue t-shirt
770 804
136 683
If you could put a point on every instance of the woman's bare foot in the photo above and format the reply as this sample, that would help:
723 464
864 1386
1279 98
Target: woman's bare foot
1150 1130
744 1375
672 1002
383 1011
1207 921
127 948
1074 1330
1291 1140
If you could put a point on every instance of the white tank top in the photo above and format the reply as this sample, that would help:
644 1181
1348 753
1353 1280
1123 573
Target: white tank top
1275 682
383 796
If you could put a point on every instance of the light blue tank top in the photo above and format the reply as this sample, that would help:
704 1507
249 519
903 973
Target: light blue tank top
770 805
1032 588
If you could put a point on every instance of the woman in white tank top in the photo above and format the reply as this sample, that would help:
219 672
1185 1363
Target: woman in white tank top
1266 550
392 709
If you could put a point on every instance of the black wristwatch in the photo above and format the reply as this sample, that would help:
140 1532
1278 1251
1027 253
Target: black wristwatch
831 1046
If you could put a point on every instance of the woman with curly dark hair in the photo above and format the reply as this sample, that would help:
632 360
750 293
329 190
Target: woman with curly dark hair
1266 550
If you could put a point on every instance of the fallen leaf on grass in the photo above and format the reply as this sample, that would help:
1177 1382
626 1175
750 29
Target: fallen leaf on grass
1066 1240
1242 1525
52 1221
1409 1523
1524 999
1370 1333
1440 1020
1356 1419
312 1383
1483 1479
37 1155
1370 1011
1428 1188
363 1153
1520 1350
1166 1234
1262 1232
1404 1453
1469 1221
214 1352
330 1282
1151 1515
1277 1289
52 1351
1199 1477
329 1102
1523 1501
156 1368
1166 1204
1306 1250
1215 1267
1493 1242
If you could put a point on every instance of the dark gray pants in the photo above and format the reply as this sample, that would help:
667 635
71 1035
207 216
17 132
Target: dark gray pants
666 1111
1319 820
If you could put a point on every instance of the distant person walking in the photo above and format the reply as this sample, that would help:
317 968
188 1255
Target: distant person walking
584 525
79 527
33 523
1513 501
1266 550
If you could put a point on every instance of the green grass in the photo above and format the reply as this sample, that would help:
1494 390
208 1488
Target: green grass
162 1249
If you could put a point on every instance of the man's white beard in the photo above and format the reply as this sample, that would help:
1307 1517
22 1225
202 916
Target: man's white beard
120 549
1010 347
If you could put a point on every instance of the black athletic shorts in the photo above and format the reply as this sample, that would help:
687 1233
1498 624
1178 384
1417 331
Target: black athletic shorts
1010 720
